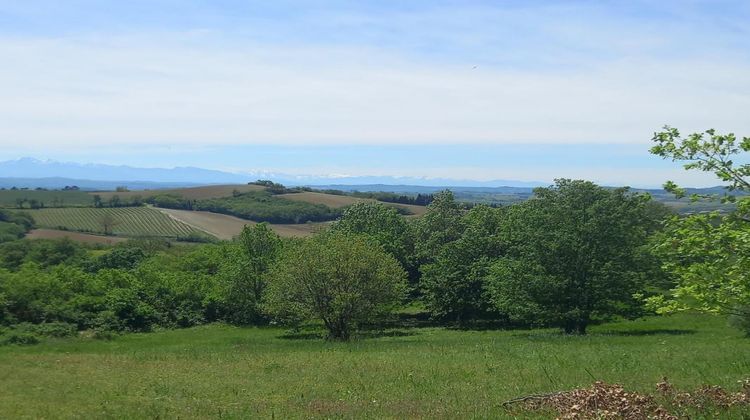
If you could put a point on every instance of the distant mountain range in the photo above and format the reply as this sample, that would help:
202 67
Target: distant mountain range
32 173
50 169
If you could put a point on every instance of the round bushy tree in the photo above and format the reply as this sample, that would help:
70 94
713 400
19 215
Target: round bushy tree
341 279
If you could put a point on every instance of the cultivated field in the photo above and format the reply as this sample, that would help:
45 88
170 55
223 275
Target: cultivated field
226 227
75 236
436 373
49 198
129 221
193 193
338 201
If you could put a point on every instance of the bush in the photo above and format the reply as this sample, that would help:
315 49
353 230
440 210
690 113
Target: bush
50 329
20 338
344 281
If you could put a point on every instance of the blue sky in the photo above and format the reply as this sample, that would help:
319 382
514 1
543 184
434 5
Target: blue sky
527 90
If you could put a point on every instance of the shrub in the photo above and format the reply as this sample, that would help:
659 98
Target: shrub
23 338
342 280
50 329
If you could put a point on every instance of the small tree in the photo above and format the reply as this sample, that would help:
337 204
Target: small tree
342 280
115 201
107 221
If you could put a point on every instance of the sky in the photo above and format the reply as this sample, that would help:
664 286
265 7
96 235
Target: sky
526 90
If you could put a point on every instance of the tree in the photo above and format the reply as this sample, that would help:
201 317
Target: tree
107 221
453 285
440 225
343 280
708 152
98 201
246 272
573 256
708 254
385 226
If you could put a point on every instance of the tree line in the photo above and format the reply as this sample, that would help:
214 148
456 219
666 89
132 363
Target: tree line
573 255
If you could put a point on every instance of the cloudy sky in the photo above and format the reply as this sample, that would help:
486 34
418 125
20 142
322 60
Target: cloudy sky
528 90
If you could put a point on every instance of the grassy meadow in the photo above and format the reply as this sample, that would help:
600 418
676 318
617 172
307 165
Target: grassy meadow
231 372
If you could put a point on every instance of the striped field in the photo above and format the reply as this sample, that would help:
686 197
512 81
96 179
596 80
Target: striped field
128 221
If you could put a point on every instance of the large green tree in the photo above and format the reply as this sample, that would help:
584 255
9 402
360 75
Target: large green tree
453 283
341 279
385 226
708 254
573 256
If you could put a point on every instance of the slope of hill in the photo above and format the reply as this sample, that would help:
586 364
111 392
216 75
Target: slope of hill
125 221
53 198
190 193
74 236
226 227
339 201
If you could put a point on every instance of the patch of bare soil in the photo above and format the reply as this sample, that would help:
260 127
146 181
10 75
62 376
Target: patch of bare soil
611 401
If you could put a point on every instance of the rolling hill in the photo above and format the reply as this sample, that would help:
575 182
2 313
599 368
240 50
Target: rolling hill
128 221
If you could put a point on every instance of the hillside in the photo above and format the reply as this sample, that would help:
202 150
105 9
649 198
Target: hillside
125 221
408 372
190 193
340 201
226 227
52 198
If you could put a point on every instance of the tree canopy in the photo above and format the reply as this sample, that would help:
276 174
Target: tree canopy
708 254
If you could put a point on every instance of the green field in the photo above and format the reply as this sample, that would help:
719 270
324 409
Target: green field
48 198
130 221
223 371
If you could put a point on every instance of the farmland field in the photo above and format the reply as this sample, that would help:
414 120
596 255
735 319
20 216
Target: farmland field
224 226
75 236
223 371
193 193
129 221
339 201
48 198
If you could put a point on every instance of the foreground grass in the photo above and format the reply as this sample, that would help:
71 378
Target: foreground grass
233 372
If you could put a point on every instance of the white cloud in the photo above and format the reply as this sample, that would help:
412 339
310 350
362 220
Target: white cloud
76 93
543 75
